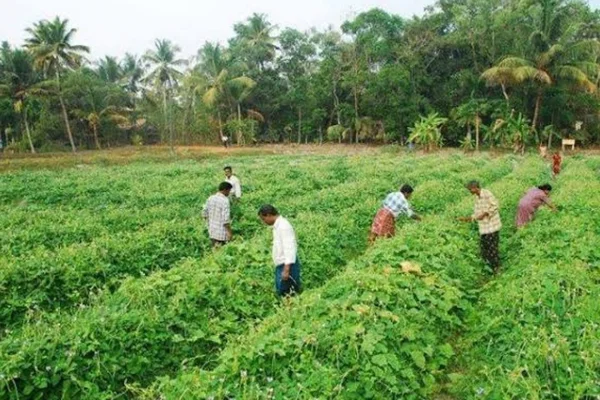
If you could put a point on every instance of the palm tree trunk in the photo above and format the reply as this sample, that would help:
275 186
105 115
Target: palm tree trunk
536 112
27 131
95 130
477 122
64 111
299 125
356 112
220 124
505 94
239 112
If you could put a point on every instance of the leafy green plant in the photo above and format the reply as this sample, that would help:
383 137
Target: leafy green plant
427 131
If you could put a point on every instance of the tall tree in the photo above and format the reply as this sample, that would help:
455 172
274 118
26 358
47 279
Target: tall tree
50 43
20 82
297 65
109 69
164 74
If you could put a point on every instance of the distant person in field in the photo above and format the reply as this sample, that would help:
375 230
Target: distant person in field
285 251
556 163
225 141
533 199
217 213
487 215
235 182
394 205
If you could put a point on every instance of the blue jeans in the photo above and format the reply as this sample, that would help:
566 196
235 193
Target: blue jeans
292 285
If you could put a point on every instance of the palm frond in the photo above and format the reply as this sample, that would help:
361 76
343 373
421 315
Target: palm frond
514 62
211 97
577 76
253 114
525 73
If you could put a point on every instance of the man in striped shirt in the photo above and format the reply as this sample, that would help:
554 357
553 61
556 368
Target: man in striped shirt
486 213
395 204
217 213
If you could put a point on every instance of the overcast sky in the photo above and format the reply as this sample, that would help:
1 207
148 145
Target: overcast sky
113 27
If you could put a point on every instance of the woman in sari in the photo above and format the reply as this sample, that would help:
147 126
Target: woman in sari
533 199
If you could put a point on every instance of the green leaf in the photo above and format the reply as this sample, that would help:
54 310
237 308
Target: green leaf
379 359
418 358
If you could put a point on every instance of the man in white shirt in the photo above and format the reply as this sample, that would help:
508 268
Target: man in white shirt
234 181
217 213
285 251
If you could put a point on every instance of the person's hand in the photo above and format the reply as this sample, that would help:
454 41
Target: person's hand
465 219
285 274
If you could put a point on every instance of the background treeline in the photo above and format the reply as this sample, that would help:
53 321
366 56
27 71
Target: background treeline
506 73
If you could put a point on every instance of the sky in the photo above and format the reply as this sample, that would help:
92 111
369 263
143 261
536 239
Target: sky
114 27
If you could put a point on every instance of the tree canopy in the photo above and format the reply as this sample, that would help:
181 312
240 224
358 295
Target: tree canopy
513 71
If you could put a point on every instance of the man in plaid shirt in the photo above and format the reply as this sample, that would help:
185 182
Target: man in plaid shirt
217 213
395 204
487 215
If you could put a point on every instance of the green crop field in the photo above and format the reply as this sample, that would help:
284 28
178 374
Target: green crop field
109 288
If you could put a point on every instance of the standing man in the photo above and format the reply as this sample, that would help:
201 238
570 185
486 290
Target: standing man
234 181
396 203
285 251
217 213
487 215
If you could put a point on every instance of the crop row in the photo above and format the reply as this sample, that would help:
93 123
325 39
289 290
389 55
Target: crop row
153 326
534 332
371 332
45 279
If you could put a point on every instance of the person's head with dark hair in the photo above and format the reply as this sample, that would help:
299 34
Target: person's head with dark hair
225 188
474 187
547 188
268 214
228 171
406 190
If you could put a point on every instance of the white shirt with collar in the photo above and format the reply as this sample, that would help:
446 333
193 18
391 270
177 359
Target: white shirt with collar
237 186
285 248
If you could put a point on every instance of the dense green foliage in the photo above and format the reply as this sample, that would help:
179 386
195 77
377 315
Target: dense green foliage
109 288
509 73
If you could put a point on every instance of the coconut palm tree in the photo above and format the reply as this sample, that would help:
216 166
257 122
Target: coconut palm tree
240 88
50 43
545 70
257 39
133 72
220 86
20 82
555 56
110 113
164 74
109 69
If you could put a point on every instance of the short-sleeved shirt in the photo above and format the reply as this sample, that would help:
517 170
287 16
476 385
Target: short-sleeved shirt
397 204
237 186
217 212
487 203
